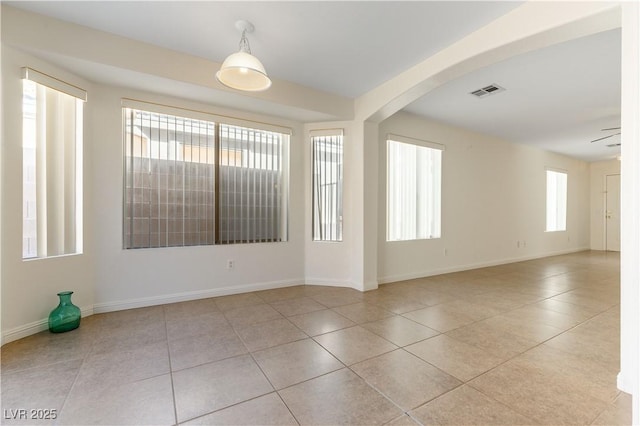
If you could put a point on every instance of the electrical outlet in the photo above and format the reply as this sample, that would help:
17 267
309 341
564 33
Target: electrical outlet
230 264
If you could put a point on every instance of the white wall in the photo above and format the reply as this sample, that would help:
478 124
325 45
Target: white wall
346 263
106 277
128 278
29 287
118 60
319 254
493 203
125 278
1 178
599 171
629 376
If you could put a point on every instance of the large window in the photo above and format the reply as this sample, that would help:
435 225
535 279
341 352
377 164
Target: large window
327 185
52 166
413 189
199 182
556 201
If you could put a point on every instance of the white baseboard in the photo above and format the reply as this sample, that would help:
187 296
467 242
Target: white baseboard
460 268
624 384
332 283
41 325
190 295
35 327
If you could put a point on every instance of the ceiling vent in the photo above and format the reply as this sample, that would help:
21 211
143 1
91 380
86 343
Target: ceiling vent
492 89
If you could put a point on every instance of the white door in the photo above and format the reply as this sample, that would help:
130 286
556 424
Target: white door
612 214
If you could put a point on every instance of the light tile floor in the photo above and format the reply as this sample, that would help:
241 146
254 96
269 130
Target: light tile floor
534 342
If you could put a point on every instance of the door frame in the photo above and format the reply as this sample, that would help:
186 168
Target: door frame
604 209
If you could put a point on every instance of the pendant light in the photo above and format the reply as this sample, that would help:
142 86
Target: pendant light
242 70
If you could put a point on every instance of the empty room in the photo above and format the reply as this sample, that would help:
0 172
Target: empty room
320 212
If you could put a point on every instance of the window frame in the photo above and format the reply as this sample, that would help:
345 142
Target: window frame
281 187
561 200
428 207
333 210
58 222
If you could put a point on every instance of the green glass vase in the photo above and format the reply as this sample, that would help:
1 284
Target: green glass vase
66 316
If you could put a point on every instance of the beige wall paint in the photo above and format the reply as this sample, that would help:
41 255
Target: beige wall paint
106 277
29 287
599 171
319 254
346 263
129 278
145 65
1 180
533 25
493 203
629 376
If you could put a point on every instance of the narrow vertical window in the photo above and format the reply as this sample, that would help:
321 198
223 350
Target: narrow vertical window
52 166
413 189
556 201
327 160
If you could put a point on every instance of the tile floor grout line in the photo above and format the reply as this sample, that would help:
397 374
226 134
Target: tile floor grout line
520 354
276 391
248 352
312 337
515 409
75 380
49 364
235 404
173 388
506 360
440 333
590 318
462 383
288 408
379 391
312 378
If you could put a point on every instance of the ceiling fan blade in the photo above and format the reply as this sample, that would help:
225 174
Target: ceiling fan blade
606 137
610 128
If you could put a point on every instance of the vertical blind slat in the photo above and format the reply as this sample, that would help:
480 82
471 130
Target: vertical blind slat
327 152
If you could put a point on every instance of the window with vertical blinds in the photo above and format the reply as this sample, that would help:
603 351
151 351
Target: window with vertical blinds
556 201
327 160
413 189
52 127
251 186
201 182
169 180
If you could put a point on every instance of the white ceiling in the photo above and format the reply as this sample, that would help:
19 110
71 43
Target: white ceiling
557 98
342 47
